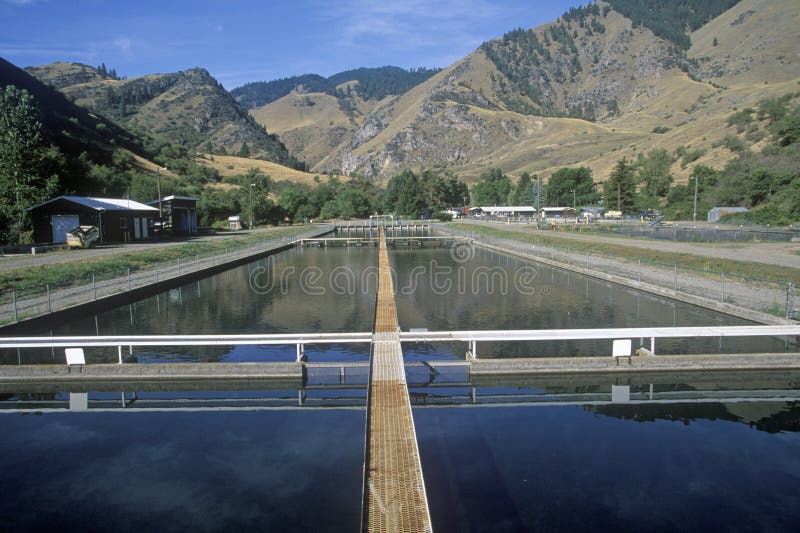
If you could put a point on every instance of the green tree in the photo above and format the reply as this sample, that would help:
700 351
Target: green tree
523 191
566 180
653 172
293 199
443 189
27 176
620 188
493 188
405 194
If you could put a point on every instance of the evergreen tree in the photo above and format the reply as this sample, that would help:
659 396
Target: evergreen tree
620 188
493 188
523 191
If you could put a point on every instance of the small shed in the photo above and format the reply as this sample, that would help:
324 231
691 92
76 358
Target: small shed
234 223
718 212
116 219
178 213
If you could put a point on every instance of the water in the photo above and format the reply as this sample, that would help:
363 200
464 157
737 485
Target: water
574 468
332 290
689 452
439 290
183 471
172 460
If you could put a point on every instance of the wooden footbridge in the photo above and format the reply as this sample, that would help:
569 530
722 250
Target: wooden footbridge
394 499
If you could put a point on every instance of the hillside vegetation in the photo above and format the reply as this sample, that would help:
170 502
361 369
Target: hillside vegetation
585 90
370 84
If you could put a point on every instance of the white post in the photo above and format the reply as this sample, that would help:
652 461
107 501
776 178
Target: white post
119 353
652 345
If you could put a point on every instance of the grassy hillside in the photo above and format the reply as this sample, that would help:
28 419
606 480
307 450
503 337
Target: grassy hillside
583 90
227 166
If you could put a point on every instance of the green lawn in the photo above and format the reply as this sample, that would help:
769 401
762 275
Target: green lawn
64 271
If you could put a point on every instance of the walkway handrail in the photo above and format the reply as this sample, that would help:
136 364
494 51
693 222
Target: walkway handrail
185 340
601 333
405 336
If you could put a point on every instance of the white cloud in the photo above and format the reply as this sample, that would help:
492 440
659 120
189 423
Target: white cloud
413 25
123 44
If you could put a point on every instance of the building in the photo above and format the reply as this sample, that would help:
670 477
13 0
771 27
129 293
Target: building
718 212
116 219
510 211
178 213
557 213
234 223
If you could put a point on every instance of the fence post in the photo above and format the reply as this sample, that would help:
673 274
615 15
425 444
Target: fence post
197 260
179 264
789 298
49 306
639 273
14 298
723 287
94 287
129 278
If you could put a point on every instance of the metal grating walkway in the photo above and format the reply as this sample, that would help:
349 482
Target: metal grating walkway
394 491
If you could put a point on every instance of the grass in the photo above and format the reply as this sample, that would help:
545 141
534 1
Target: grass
228 165
700 262
63 273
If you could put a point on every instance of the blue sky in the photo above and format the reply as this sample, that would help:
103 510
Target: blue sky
240 41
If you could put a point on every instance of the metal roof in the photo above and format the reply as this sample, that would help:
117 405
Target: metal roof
510 209
102 204
173 197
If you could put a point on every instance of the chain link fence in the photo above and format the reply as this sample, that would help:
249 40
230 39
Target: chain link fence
777 298
689 234
36 300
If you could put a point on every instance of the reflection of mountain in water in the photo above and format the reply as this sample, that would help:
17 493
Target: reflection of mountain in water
772 417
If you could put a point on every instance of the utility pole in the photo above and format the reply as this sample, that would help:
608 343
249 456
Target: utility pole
694 216
158 188
252 186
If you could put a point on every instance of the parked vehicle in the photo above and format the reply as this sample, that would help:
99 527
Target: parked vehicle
82 236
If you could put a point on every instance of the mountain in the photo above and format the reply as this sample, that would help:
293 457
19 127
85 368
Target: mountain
368 83
189 108
606 81
73 129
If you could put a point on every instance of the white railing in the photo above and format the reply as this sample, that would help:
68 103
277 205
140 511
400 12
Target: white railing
472 337
297 339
